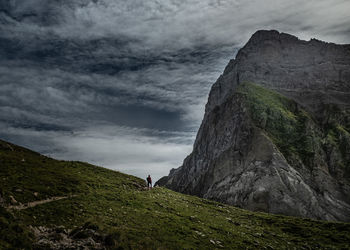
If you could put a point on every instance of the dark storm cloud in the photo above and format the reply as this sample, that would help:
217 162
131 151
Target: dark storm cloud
124 83
168 24
33 86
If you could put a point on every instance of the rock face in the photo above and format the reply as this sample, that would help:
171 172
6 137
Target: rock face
296 68
275 134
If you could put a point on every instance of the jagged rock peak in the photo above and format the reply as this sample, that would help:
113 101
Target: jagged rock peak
275 135
262 35
284 63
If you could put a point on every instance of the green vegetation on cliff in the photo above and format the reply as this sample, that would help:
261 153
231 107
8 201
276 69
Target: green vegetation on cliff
300 137
123 214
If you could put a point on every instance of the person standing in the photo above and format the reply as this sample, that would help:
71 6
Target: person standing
149 181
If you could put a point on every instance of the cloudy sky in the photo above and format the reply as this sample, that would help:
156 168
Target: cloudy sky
123 83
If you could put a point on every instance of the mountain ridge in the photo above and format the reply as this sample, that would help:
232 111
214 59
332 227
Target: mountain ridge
310 101
265 47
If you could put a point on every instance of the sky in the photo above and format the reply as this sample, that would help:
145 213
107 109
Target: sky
123 83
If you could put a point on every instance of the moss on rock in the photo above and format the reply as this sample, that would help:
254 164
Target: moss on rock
299 136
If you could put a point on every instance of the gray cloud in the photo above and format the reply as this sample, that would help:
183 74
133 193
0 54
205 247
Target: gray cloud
130 77
165 25
131 150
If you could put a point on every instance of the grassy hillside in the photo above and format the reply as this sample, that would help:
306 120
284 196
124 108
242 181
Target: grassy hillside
100 208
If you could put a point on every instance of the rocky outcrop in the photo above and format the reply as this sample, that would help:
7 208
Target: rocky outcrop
280 145
296 68
58 237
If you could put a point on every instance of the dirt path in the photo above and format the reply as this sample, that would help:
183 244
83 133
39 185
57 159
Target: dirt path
35 203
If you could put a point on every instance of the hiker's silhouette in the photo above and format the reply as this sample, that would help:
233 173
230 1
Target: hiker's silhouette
149 181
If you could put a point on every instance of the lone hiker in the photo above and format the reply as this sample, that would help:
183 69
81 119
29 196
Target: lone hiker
149 182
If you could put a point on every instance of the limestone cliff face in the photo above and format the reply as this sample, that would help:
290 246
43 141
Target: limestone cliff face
310 72
275 134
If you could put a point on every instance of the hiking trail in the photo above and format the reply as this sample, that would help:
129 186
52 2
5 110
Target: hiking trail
35 203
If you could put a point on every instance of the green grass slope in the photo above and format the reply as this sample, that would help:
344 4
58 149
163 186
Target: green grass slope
127 216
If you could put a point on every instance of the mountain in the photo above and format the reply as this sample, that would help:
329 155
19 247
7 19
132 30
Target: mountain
275 136
51 204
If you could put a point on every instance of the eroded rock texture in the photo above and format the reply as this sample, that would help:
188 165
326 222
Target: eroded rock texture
275 134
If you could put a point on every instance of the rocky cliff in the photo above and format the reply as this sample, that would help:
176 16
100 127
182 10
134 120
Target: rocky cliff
276 132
